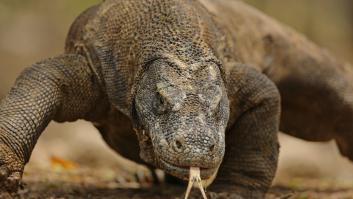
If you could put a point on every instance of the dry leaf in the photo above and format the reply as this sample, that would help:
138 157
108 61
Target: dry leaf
62 163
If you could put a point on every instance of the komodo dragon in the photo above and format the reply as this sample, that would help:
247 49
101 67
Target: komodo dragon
202 83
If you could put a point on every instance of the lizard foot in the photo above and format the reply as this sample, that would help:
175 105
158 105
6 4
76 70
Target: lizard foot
11 168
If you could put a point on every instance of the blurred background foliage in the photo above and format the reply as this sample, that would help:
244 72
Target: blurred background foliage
326 22
31 30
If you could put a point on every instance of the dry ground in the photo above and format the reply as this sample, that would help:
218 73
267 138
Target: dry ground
108 184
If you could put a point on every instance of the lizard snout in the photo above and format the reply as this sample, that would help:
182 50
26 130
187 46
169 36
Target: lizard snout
200 144
192 148
187 149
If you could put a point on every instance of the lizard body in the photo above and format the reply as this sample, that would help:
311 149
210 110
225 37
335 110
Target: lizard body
176 84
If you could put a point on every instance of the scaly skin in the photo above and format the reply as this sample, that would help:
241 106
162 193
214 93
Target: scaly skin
183 83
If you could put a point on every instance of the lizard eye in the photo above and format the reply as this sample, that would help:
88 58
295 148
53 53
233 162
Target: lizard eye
162 104
161 100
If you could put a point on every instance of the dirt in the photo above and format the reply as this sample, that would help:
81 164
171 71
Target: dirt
108 184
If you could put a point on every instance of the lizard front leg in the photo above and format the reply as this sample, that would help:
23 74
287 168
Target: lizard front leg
61 88
252 147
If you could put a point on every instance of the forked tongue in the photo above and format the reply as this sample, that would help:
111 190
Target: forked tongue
195 178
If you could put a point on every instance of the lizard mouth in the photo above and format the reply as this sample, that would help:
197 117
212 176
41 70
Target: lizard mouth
182 171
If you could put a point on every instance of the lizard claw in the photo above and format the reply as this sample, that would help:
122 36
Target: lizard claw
12 183
10 170
4 173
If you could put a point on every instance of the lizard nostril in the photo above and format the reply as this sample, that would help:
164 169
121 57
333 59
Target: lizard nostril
178 144
212 147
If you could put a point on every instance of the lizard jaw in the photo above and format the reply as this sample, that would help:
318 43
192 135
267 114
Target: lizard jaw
183 172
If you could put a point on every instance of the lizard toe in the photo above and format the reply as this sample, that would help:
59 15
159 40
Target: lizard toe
12 183
11 168
4 173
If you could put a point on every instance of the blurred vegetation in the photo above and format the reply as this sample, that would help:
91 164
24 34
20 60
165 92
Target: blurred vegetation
10 8
32 30
326 22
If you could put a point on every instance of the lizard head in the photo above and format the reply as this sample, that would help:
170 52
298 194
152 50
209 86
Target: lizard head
183 111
